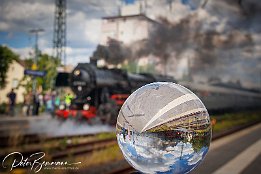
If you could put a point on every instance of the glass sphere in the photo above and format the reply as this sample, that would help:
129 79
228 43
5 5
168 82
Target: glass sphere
163 128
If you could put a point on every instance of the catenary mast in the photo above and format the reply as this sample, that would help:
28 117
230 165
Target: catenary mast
59 35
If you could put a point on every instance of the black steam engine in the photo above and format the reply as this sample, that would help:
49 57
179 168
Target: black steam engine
100 92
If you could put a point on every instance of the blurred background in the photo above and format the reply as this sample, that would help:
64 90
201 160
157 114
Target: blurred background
66 67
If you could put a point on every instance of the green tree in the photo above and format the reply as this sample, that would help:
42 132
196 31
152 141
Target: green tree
44 63
28 63
131 66
49 64
6 58
26 81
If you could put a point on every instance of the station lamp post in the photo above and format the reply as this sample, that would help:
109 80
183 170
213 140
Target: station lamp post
34 67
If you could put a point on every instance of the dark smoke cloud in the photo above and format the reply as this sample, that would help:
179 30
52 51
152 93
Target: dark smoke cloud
250 7
168 38
114 53
227 53
177 38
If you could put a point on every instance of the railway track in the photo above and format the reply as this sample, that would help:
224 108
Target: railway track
83 148
23 139
59 153
127 169
60 147
73 149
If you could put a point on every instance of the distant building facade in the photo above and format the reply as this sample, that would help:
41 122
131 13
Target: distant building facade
15 74
127 29
131 30
132 27
129 26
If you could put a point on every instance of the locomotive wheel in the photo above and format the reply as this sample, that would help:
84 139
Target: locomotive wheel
108 112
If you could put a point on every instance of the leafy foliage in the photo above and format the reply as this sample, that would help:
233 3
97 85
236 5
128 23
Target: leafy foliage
44 63
49 64
6 58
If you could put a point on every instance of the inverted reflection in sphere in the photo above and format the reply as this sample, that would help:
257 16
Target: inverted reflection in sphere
163 128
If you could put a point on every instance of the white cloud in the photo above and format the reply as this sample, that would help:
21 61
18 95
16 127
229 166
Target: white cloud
24 52
93 30
83 24
74 55
21 15
43 43
83 31
77 55
4 26
173 12
25 11
195 158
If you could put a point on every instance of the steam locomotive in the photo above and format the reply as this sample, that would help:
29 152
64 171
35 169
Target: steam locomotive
100 92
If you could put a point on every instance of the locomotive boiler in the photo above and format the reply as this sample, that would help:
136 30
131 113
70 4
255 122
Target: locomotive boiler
100 92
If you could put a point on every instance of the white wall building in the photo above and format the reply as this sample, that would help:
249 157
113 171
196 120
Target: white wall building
132 31
129 26
132 28
127 29
15 73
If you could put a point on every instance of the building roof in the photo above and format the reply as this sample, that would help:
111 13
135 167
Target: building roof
21 62
131 16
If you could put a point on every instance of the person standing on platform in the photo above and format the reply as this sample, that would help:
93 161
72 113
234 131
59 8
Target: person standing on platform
12 101
36 104
28 103
50 103
57 100
68 100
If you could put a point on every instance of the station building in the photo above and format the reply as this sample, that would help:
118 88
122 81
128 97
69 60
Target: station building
15 74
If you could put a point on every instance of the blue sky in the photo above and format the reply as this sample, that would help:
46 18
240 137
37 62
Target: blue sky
84 29
83 25
16 40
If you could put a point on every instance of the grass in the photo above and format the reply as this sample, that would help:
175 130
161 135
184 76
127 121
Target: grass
50 145
228 121
107 155
103 136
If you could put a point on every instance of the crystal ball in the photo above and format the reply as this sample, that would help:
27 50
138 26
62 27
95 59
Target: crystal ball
163 127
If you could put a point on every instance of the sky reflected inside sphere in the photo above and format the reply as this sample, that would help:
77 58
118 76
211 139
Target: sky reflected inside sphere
163 128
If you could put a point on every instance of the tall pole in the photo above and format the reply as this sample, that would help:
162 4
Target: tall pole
36 32
59 35
260 82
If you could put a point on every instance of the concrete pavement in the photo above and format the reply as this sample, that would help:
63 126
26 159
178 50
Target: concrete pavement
233 154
